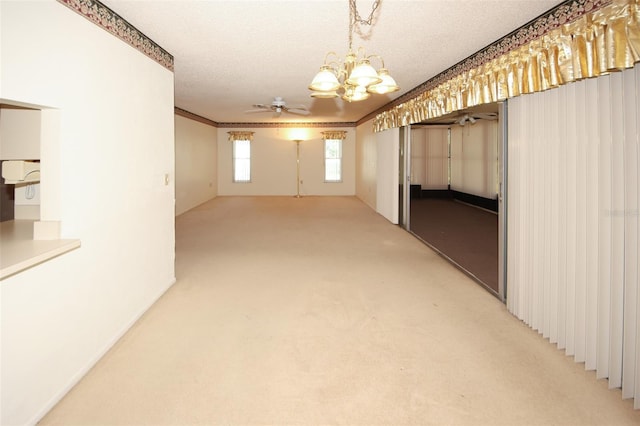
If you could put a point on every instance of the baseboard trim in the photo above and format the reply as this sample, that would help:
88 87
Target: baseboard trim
94 360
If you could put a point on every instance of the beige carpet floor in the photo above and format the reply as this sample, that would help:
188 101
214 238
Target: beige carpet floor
317 311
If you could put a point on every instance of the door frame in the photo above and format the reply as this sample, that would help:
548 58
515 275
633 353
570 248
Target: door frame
503 137
404 178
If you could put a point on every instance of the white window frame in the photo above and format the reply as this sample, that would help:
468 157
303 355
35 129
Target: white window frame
329 158
236 160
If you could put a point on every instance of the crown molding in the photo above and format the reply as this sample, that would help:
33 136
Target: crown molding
184 113
195 117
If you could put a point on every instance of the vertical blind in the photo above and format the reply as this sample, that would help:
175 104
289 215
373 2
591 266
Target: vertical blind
474 158
430 158
573 234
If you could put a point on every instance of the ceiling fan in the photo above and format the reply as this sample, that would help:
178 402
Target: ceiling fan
471 118
278 106
463 117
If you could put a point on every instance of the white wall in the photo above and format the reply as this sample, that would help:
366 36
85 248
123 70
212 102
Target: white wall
273 163
366 164
378 168
387 173
20 134
196 163
106 162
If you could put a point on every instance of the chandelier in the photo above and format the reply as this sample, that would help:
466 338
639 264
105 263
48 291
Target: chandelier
352 78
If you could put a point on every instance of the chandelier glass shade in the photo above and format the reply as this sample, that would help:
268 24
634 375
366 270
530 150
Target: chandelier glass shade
354 78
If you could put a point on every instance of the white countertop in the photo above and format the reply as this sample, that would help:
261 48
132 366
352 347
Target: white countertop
19 251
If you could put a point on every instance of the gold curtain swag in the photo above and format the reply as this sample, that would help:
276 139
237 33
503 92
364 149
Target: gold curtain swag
334 134
597 43
240 136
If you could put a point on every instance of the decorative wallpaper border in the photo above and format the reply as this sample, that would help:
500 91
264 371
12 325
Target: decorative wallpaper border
287 125
110 21
564 13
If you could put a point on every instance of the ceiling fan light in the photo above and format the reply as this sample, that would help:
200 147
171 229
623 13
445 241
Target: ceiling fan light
325 80
363 75
387 85
324 95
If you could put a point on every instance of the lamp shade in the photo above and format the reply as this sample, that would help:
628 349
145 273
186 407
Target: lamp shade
324 95
325 80
355 93
387 85
363 75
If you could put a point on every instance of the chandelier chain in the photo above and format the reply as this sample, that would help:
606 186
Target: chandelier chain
355 18
353 78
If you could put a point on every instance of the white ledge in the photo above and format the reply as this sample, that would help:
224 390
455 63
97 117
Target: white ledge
19 251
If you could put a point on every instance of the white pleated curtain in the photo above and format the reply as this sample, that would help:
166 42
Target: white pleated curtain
573 234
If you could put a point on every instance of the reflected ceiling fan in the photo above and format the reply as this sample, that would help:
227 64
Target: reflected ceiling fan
472 117
278 106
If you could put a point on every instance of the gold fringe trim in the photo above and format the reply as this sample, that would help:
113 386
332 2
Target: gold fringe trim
334 134
240 136
598 43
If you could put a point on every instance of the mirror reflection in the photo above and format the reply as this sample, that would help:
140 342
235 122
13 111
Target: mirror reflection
454 189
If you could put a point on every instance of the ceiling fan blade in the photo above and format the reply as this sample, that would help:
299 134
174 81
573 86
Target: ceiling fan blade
257 110
486 116
261 106
304 107
298 111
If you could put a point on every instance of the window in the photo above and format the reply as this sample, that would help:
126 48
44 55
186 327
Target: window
241 161
333 154
241 155
333 160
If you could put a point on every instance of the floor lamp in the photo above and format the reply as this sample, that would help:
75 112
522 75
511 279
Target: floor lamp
297 141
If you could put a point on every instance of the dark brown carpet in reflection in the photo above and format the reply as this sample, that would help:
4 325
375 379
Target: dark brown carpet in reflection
466 234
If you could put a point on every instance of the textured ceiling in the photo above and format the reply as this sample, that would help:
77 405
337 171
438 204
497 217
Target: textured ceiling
229 55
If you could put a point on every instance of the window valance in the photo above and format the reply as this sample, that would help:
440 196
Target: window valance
240 136
579 39
334 134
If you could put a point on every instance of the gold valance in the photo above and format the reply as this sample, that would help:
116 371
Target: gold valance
334 134
597 43
240 136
